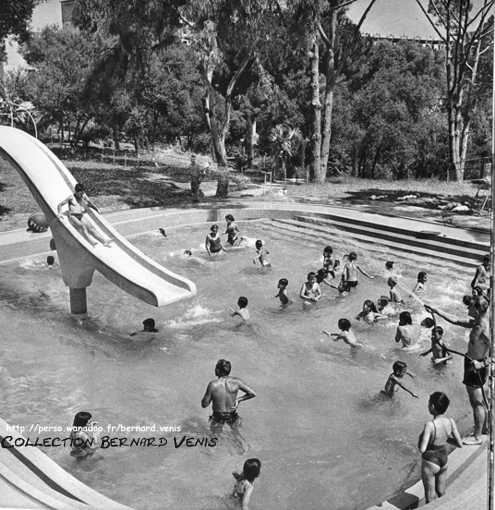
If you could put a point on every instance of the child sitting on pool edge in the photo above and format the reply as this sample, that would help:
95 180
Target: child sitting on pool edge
399 370
242 310
345 333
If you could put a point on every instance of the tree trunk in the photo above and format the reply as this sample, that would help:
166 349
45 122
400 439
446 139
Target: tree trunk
116 142
314 56
222 182
250 137
329 92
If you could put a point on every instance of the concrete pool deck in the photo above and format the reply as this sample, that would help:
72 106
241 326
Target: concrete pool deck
467 481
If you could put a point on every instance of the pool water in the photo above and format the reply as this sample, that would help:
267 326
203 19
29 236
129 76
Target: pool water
325 438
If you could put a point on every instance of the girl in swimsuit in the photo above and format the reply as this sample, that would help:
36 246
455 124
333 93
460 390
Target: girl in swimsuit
79 205
310 290
434 447
232 231
213 242
244 484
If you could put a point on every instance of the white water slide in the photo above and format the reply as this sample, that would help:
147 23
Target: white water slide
30 480
50 182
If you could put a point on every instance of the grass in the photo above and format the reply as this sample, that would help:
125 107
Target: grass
114 186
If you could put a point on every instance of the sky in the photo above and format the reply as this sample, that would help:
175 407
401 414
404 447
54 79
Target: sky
387 17
396 17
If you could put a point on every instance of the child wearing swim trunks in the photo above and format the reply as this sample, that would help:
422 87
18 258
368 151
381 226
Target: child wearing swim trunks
282 292
419 288
244 483
369 313
345 334
399 370
261 254
242 310
310 289
405 330
213 241
434 446
350 273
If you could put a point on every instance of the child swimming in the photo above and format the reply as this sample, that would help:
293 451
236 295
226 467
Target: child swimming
213 242
261 254
345 334
242 310
369 313
399 370
310 290
405 333
243 487
282 292
422 278
350 273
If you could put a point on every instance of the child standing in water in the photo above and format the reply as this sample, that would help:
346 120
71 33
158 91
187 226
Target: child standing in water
213 242
405 332
350 273
394 294
282 292
310 290
232 231
419 288
242 310
438 349
399 370
261 254
244 484
330 264
345 334
482 276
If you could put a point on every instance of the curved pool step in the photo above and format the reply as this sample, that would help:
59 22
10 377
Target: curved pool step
384 251
428 239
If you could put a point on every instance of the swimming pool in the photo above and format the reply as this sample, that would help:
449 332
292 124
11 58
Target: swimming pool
323 437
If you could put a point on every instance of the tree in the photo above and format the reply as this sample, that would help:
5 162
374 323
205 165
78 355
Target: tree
226 36
326 25
62 60
465 31
14 20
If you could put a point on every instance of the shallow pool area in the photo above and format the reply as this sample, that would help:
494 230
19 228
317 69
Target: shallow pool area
325 437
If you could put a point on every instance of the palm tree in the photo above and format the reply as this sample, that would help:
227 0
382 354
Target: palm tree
285 141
